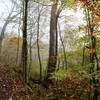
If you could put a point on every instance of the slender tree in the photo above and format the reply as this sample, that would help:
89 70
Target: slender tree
8 19
38 47
92 47
18 44
64 51
24 45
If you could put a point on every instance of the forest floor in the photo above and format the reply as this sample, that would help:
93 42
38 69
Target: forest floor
12 88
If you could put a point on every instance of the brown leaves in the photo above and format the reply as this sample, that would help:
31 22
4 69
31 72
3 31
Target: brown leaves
92 6
71 88
84 1
6 83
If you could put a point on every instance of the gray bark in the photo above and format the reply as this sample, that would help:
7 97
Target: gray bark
53 42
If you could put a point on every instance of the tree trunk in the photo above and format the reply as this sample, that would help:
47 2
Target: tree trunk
24 45
38 47
18 45
93 54
9 18
53 42
4 28
30 53
64 51
83 56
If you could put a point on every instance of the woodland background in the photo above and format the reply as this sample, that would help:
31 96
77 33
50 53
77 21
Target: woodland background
52 47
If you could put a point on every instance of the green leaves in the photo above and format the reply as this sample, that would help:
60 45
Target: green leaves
59 75
83 39
78 71
63 3
68 3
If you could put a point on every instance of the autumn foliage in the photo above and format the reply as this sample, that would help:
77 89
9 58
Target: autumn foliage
71 88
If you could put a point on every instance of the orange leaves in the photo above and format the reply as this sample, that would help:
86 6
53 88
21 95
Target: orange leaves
93 24
93 50
94 7
84 1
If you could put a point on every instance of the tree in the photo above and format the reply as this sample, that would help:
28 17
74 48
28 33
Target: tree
90 14
24 45
8 19
64 51
38 47
53 42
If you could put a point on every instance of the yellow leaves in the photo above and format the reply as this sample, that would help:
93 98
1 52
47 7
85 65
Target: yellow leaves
97 18
70 3
53 1
98 44
13 40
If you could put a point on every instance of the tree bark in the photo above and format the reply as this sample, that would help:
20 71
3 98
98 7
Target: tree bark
53 42
38 47
24 45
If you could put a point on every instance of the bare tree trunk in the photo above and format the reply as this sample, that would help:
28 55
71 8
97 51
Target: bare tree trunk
38 47
17 55
9 18
30 52
4 28
64 51
24 45
83 56
53 42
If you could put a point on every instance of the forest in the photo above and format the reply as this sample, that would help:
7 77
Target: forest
49 49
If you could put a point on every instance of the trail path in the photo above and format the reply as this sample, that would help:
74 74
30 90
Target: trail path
6 83
12 89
